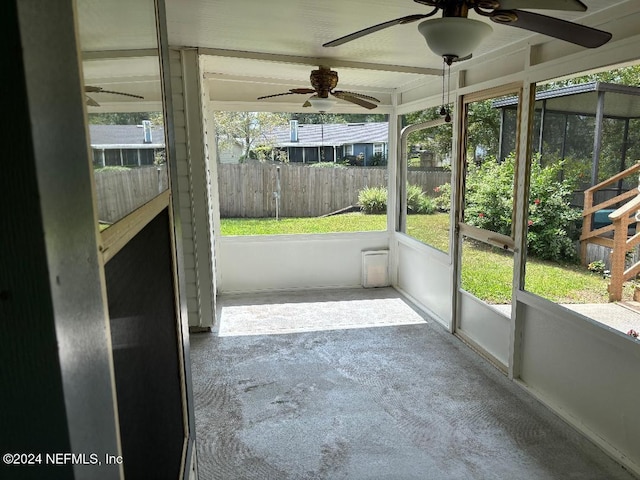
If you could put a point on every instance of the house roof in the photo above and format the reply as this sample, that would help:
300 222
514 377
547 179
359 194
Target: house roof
332 134
124 136
621 101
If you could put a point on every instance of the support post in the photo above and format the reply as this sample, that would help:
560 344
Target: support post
597 139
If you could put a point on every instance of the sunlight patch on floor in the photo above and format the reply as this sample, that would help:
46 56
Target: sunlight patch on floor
280 318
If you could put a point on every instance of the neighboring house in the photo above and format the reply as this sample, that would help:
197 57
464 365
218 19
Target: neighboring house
361 143
229 152
126 145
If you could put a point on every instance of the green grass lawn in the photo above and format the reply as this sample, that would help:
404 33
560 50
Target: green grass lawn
348 222
486 272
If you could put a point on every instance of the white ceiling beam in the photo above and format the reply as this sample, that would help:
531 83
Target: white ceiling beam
133 79
133 106
315 61
115 54
289 107
288 83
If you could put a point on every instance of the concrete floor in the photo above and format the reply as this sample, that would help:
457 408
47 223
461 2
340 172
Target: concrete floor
407 401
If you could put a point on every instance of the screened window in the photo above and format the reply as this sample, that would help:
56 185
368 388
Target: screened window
311 185
425 194
582 252
488 186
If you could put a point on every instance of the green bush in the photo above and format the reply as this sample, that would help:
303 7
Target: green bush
112 168
377 160
443 198
489 195
418 201
552 226
327 165
373 200
427 205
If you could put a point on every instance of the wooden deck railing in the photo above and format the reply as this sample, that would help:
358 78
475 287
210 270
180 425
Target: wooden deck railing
621 219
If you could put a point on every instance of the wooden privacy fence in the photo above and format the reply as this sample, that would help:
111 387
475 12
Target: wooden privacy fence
119 192
248 189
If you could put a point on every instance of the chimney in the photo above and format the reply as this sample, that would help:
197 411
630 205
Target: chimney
293 130
146 128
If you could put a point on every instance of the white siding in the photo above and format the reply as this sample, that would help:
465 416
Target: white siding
191 192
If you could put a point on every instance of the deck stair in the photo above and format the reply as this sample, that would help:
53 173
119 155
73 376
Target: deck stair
615 235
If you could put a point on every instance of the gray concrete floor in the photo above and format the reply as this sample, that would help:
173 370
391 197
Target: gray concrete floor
355 401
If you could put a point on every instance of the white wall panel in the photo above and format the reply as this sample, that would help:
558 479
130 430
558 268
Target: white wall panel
424 275
586 372
485 326
286 262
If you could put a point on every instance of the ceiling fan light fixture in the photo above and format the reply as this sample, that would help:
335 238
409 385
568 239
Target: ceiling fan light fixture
322 104
454 37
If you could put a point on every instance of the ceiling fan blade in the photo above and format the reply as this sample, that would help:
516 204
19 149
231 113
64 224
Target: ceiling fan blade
375 28
275 95
290 92
356 100
302 90
91 101
121 93
568 5
554 27
359 95
94 89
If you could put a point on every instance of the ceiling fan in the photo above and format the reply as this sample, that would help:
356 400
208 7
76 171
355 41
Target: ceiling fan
455 29
93 89
324 81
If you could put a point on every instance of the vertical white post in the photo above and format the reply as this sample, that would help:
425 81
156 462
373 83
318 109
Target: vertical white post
521 206
392 201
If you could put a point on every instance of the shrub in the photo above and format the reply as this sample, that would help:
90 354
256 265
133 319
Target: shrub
112 168
418 201
552 228
554 225
414 162
427 205
327 165
373 200
378 160
443 199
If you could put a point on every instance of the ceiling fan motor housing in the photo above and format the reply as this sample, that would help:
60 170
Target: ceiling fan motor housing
324 81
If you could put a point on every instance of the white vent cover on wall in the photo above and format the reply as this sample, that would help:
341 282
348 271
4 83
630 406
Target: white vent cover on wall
375 268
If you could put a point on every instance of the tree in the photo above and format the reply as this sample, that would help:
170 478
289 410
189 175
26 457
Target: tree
317 118
623 76
437 138
246 129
